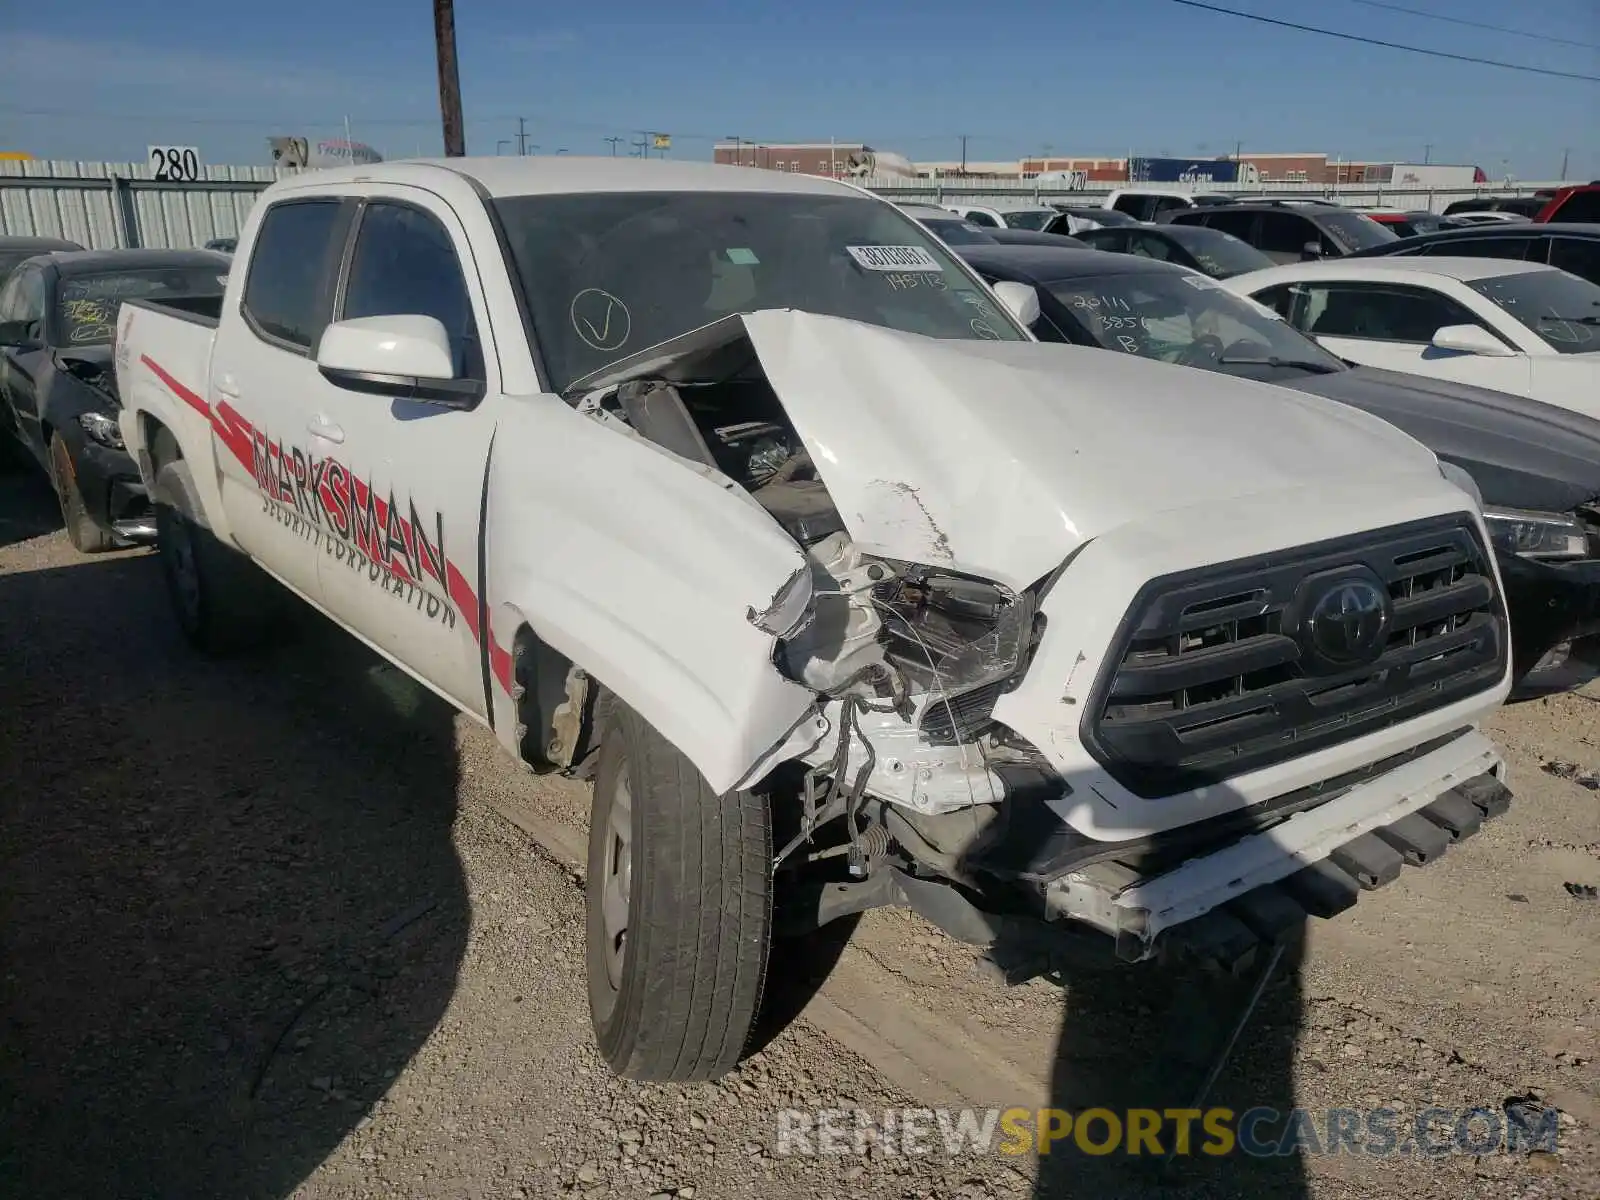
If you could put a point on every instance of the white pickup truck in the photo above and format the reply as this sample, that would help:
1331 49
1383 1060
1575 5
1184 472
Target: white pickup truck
738 491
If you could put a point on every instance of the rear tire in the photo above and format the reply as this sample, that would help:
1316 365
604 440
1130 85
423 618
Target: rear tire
222 601
86 534
679 910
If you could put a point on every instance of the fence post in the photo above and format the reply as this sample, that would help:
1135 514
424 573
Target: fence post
124 218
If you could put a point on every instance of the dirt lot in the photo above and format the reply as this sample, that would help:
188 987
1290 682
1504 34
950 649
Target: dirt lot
278 926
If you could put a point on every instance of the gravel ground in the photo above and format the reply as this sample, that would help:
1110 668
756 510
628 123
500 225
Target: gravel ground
266 930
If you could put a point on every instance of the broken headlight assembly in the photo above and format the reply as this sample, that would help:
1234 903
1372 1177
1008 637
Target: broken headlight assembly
1546 536
102 429
959 641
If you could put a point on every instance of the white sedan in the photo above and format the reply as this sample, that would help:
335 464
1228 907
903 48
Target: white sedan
1518 327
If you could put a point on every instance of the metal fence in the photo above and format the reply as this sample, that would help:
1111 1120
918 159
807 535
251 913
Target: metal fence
108 205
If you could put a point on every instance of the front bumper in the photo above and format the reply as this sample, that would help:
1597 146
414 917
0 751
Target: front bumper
1550 603
1221 905
113 492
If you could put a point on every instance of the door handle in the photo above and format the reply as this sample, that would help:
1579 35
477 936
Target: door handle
325 430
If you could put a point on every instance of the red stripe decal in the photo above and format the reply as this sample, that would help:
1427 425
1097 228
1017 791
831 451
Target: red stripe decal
461 593
193 399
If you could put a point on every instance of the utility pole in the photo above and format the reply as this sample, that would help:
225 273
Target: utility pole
639 149
613 141
522 135
1427 154
963 154
444 41
738 149
1564 154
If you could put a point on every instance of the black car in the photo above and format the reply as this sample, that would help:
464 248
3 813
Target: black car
1288 231
1536 466
58 388
1031 237
1522 206
1209 251
13 250
1572 247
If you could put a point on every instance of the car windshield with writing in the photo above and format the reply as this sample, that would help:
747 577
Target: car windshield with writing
1353 231
1561 308
86 305
1029 218
607 275
1184 318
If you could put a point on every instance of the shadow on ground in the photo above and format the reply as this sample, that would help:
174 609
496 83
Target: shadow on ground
1144 1037
230 908
28 507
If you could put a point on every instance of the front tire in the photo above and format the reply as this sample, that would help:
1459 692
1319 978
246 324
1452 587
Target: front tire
86 534
222 601
679 910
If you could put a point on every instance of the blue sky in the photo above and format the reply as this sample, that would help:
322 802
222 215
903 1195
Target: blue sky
106 77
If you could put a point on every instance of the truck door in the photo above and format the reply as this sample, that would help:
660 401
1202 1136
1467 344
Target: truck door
407 478
264 384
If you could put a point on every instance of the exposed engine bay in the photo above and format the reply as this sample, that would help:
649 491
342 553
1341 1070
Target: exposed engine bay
928 648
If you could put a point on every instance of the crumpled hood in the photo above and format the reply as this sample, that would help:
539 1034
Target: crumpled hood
1522 453
93 367
1000 458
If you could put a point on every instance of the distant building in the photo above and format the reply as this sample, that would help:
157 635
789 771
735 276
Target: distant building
836 159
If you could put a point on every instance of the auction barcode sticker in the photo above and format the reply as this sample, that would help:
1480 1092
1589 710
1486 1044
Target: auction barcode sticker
893 258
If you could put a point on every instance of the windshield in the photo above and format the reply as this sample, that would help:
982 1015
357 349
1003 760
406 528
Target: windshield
957 232
1220 255
1185 318
606 275
86 305
1561 308
1353 231
1031 218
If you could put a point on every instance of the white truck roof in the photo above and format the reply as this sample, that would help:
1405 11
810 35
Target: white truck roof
555 175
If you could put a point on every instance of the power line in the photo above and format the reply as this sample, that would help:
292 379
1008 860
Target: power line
1351 37
1522 33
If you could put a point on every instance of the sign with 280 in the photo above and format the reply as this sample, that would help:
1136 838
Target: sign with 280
175 164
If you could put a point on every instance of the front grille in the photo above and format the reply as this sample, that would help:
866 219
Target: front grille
1212 675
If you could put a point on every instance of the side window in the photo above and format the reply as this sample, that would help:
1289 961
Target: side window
1167 204
1379 313
1147 246
1280 300
1580 206
23 297
1286 233
404 262
289 289
1114 240
1240 224
1135 206
1582 258
982 218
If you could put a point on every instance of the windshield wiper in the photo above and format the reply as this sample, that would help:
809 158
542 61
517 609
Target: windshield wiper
1304 364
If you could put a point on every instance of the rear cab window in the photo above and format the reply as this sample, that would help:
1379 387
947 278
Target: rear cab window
288 289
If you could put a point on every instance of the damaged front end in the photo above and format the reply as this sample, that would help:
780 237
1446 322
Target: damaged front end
937 529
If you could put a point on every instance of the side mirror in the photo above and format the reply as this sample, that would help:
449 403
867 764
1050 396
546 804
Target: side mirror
1021 300
1471 339
406 357
1310 251
20 335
